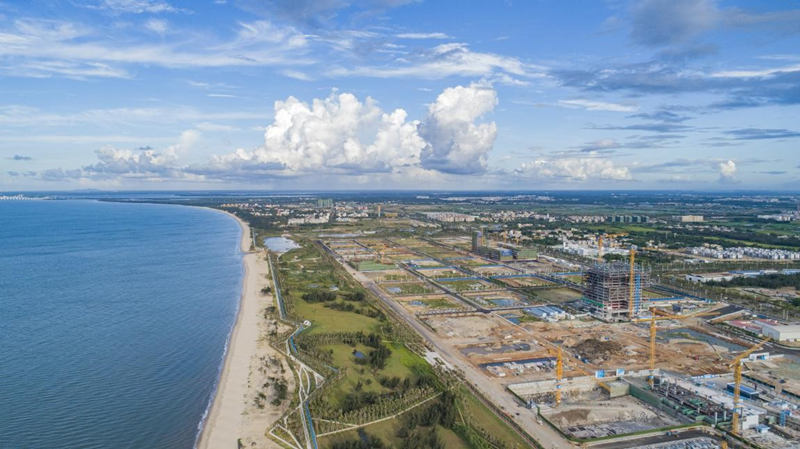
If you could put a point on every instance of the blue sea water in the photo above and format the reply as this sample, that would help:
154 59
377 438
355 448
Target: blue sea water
113 321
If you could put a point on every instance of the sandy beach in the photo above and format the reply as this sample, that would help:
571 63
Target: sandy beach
241 410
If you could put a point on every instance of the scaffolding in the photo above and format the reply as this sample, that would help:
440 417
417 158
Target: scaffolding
607 290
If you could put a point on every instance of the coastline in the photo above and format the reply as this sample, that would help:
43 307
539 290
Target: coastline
232 416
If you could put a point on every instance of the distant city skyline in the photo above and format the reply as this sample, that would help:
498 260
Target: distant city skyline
383 94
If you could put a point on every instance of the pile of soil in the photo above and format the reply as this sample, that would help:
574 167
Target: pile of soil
595 350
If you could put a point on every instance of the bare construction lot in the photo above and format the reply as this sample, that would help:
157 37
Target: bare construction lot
593 416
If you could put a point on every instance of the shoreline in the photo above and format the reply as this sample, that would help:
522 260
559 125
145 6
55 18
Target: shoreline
229 417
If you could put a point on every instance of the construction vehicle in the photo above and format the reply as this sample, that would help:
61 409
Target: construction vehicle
736 364
657 315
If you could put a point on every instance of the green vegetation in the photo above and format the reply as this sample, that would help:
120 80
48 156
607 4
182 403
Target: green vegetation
369 265
487 424
466 285
771 281
367 442
396 277
557 295
455 420
408 288
763 281
438 303
371 372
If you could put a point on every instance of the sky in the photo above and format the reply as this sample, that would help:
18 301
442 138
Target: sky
399 94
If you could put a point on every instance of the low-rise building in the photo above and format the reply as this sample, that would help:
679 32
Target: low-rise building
781 332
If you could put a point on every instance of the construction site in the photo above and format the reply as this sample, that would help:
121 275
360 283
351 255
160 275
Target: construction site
595 352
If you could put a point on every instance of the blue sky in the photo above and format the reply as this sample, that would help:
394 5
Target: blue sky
353 94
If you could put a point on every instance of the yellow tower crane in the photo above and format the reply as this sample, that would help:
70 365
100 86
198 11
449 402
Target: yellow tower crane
600 243
652 320
556 349
737 381
600 248
559 374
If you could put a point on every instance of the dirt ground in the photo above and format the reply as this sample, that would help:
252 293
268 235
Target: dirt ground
472 328
628 346
594 416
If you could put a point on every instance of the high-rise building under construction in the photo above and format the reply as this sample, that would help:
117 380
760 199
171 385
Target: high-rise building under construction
607 290
477 240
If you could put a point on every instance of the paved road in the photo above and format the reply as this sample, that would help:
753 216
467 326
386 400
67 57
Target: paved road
655 439
524 417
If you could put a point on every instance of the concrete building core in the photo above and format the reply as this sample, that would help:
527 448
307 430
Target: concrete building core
477 240
607 290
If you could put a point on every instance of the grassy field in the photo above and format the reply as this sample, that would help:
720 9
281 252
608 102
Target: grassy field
474 410
369 265
397 277
557 295
402 363
470 285
387 430
471 410
304 270
408 288
439 303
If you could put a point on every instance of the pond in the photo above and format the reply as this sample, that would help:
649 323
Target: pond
280 244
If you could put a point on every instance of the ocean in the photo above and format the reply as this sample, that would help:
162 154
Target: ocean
113 321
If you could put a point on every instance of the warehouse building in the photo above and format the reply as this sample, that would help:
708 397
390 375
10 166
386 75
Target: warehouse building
781 332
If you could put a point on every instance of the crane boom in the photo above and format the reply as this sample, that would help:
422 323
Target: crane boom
652 320
737 381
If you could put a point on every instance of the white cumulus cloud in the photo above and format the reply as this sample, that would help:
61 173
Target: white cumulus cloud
727 170
337 134
342 135
576 169
456 144
144 162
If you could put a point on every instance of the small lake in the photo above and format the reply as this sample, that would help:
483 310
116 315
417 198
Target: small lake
280 244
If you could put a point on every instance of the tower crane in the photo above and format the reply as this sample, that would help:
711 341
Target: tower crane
559 373
736 364
600 243
600 248
652 320
559 353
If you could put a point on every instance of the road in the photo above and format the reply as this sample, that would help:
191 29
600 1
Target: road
504 400
654 439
